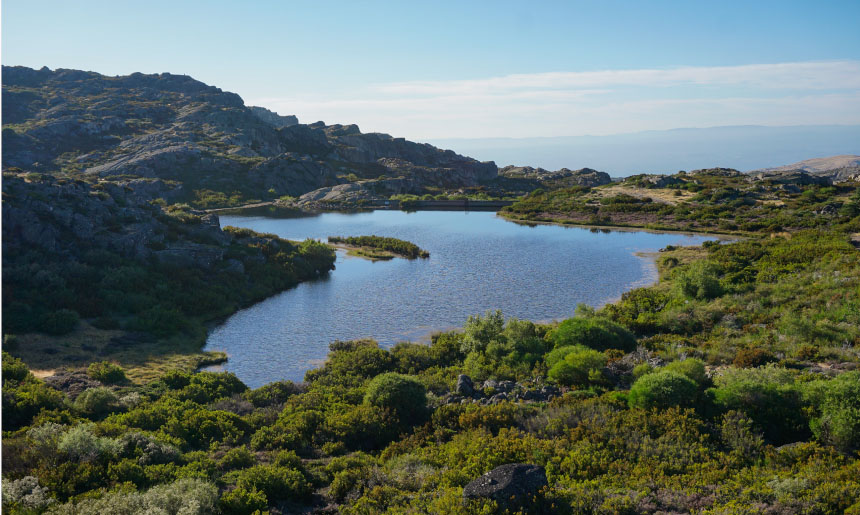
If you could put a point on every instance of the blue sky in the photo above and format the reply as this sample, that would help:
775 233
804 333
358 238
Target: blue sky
475 69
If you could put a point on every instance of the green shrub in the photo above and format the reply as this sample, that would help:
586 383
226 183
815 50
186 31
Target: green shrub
751 358
404 395
767 395
579 367
700 281
240 501
80 444
690 367
642 369
97 401
595 332
14 369
481 331
24 401
351 362
206 387
839 404
662 390
59 322
186 496
272 394
237 458
106 372
558 354
277 483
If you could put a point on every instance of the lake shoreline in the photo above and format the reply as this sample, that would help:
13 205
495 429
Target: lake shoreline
480 262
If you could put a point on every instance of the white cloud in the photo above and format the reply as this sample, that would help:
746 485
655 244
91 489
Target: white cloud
600 102
807 75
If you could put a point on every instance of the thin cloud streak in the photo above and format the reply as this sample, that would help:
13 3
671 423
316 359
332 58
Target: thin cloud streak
607 102
806 75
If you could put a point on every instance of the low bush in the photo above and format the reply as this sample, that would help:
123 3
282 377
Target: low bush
597 333
404 395
662 390
106 372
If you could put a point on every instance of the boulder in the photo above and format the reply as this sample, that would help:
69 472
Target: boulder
511 485
465 387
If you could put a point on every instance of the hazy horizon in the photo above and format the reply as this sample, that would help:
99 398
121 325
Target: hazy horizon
744 148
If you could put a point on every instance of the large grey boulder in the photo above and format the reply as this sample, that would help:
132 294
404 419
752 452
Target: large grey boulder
511 485
465 386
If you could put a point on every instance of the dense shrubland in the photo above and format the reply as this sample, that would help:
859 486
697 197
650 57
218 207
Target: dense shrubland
731 386
663 408
714 200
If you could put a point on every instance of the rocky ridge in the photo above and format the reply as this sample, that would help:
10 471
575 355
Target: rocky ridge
67 217
172 127
582 177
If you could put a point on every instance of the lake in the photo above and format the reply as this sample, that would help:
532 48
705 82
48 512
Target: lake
478 262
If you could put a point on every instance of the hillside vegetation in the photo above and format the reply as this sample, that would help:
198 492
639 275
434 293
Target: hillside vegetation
732 386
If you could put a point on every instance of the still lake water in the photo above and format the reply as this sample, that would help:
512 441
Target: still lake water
478 262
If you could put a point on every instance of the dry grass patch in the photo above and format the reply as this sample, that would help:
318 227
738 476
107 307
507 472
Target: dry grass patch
144 359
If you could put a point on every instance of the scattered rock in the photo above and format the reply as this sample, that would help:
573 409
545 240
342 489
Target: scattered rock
465 387
71 383
582 177
511 486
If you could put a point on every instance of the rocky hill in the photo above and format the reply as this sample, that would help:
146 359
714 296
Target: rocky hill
834 168
171 127
582 177
106 254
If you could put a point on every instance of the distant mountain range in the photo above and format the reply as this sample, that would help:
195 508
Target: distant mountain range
740 147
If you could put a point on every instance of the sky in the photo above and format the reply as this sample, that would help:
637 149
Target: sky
475 69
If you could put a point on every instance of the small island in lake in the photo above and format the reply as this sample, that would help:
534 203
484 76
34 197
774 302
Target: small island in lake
378 247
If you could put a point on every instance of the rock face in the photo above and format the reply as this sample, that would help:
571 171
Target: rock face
64 216
465 386
795 177
661 181
819 164
172 127
511 486
582 177
276 120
